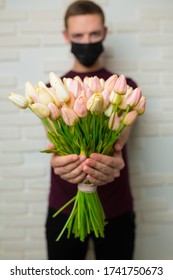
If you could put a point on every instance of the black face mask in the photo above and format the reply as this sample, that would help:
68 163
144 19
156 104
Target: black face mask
87 54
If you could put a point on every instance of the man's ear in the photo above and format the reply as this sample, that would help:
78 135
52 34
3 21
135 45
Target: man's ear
66 36
105 32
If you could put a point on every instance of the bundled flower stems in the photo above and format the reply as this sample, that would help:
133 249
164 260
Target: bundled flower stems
93 112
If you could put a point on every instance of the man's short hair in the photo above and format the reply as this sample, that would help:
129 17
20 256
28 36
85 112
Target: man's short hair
83 7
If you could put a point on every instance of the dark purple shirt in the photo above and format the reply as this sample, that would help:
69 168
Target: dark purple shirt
116 196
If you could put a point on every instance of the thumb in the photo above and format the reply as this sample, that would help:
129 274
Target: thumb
118 145
50 146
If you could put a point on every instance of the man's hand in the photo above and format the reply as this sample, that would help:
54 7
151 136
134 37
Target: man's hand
69 167
101 169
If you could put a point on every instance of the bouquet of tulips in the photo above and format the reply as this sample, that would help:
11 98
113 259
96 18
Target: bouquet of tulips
82 117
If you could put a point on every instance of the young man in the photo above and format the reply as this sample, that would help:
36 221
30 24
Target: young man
85 31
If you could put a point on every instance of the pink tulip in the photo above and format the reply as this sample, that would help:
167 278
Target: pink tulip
80 107
120 86
75 88
86 92
130 118
69 116
106 95
134 97
96 85
123 105
140 107
114 121
54 111
31 93
110 82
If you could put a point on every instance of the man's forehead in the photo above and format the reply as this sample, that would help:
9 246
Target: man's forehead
85 23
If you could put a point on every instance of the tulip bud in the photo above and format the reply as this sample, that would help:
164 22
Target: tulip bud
106 95
115 98
134 97
31 93
114 121
140 107
109 110
61 92
80 107
43 95
69 116
18 100
54 111
52 92
96 104
130 118
120 86
95 85
41 110
123 105
110 82
75 88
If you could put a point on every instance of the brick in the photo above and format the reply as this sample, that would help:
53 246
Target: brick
7 29
12 15
20 118
2 3
53 40
155 65
7 107
36 132
154 180
10 160
146 79
166 129
134 26
11 184
9 133
25 222
12 234
167 79
8 254
46 15
42 28
143 129
18 245
159 217
157 90
123 66
37 184
9 55
23 145
147 230
157 13
156 39
22 171
151 205
20 41
13 209
167 52
35 255
7 81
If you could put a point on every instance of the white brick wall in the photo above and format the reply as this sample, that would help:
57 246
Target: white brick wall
139 44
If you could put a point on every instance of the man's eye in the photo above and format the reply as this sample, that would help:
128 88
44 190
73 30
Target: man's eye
77 36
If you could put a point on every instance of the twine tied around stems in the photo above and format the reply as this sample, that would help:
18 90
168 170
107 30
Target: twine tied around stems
87 188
